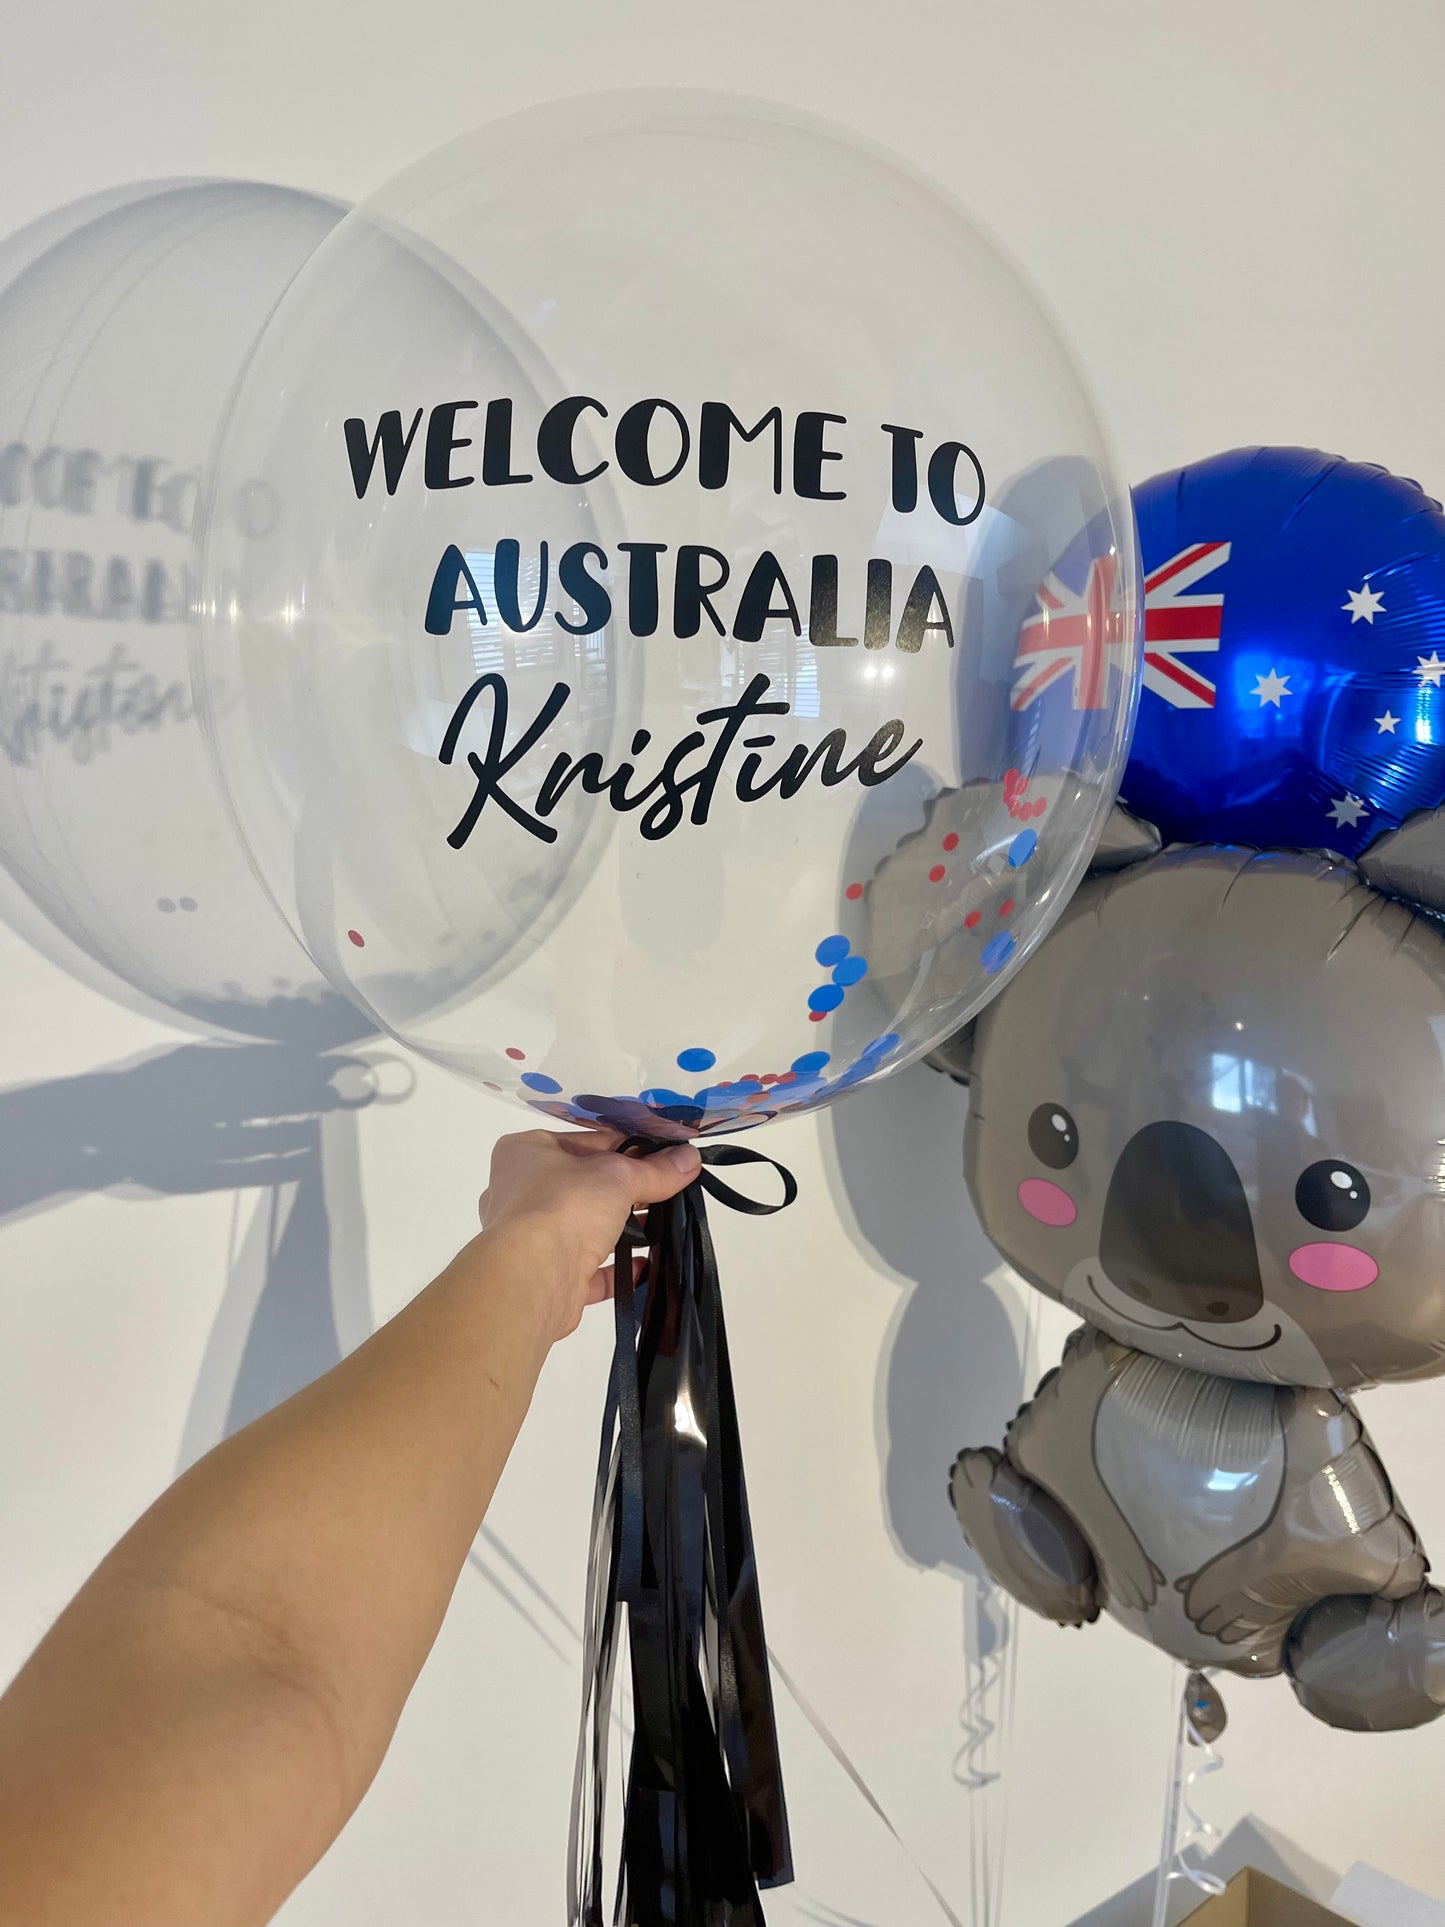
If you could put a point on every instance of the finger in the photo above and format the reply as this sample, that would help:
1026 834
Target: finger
602 1283
601 1286
587 1144
663 1174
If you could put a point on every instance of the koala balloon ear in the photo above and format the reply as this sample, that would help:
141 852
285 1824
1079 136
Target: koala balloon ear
1126 839
955 1054
1410 862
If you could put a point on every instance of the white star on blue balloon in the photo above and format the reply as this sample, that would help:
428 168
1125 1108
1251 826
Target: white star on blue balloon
1363 604
1270 688
1345 811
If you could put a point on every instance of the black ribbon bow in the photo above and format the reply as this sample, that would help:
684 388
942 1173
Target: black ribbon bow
704 1823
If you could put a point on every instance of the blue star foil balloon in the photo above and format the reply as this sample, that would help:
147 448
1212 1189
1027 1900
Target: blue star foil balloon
1294 668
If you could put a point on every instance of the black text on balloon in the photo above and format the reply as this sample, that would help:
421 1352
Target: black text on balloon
705 588
684 785
653 442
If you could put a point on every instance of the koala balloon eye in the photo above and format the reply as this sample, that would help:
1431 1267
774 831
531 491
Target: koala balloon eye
1053 1136
1332 1195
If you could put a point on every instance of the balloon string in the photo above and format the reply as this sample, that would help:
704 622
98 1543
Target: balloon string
1199 1833
981 1761
672 1571
841 1755
1028 1367
622 1725
1186 1831
971 1768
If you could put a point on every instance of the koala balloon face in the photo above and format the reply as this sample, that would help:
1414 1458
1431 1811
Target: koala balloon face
1209 1116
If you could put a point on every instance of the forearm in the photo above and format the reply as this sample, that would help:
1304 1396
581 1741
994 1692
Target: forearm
234 1670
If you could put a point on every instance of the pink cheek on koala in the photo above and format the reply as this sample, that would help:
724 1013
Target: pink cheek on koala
1047 1202
1333 1267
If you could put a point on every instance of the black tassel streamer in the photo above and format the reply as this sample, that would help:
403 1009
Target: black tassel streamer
704 1822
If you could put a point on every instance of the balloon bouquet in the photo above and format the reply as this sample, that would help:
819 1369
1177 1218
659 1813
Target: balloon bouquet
650 484
1207 1117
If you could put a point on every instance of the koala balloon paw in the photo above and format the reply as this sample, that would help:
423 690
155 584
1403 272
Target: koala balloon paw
1371 1665
1256 1589
1026 1540
1220 1612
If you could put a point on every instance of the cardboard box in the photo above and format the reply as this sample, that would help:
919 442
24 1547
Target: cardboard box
1252 1899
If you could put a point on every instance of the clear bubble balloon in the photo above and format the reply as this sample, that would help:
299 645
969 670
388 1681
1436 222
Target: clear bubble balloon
690 653
123 324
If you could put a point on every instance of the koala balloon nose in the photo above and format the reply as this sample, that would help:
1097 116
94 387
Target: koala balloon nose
1177 1234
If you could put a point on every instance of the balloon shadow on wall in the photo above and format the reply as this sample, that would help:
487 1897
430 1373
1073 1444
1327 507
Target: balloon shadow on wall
278 1120
956 1348
126 317
953 1349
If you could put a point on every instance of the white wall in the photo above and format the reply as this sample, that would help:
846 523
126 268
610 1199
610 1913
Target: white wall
1236 210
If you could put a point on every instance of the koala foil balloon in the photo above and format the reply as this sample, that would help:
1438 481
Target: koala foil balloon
1209 1117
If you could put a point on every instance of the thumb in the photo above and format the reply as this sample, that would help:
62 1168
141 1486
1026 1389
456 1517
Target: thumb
663 1174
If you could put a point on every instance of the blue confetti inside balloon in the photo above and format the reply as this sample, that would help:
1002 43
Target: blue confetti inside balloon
997 951
825 997
1022 848
1294 678
851 971
536 1081
832 950
811 1062
855 1073
696 1058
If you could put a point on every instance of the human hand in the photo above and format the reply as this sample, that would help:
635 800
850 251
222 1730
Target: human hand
572 1191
